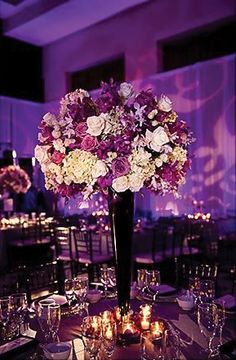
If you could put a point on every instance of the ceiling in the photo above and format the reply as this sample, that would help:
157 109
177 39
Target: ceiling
41 22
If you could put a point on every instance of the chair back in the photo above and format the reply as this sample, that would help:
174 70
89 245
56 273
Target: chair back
83 244
63 241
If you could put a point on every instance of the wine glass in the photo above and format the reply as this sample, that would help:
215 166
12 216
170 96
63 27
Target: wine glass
153 281
207 317
54 318
80 284
105 279
69 290
19 305
92 335
141 275
112 278
109 336
5 308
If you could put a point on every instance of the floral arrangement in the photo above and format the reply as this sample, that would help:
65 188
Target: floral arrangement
14 179
122 140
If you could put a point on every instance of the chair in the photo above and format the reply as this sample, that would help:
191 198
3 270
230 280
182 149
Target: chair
188 269
44 279
65 253
89 255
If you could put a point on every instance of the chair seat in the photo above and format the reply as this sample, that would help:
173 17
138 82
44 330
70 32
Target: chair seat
148 258
64 257
178 251
97 259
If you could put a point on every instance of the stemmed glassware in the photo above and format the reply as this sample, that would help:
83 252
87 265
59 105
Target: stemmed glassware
112 278
54 318
80 287
152 283
208 323
92 335
109 336
5 308
105 280
69 291
19 307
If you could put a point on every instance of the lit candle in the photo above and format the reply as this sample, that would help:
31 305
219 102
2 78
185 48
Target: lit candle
145 323
33 161
108 333
155 328
128 327
14 156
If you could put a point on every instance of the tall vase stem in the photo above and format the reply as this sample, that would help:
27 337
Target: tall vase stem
121 209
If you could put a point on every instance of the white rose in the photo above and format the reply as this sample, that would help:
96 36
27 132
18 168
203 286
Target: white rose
157 138
136 182
41 153
126 90
95 124
56 134
41 138
120 184
165 104
99 169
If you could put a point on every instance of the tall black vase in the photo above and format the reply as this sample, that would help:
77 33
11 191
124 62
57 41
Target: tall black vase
121 211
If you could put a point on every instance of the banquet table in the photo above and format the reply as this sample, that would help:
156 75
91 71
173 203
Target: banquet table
183 321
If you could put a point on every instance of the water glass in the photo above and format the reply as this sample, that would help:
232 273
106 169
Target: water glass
171 345
54 318
206 290
207 317
42 311
92 335
109 337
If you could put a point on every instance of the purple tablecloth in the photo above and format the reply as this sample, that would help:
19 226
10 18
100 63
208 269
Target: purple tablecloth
184 322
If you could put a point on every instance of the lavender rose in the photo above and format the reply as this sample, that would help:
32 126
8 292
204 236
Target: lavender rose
120 167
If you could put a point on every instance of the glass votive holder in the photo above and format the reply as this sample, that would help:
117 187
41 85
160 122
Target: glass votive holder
141 276
156 328
152 346
145 322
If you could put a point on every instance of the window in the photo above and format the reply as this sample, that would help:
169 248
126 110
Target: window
90 78
191 48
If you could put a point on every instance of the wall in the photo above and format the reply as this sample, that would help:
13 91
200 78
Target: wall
134 33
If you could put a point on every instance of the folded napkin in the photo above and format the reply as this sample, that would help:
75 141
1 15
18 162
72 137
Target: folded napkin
227 301
59 299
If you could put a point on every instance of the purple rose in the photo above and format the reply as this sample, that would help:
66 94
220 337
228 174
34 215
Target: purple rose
81 129
88 143
105 181
57 157
120 167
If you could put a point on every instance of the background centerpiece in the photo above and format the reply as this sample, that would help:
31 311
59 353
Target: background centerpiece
117 144
14 179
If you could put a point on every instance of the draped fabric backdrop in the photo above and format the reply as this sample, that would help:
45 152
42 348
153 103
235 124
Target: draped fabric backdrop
203 94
